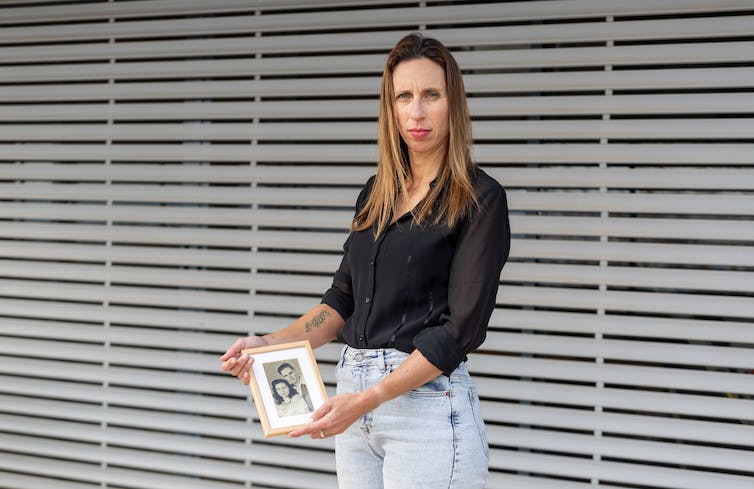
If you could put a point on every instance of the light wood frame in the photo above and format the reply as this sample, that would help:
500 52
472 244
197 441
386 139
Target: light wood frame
277 418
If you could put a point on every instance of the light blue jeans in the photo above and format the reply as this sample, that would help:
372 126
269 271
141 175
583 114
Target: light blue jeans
430 438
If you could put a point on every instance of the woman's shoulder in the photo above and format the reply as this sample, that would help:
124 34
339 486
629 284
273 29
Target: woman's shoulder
487 186
364 194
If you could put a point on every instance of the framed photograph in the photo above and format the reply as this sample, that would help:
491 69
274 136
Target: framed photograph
286 386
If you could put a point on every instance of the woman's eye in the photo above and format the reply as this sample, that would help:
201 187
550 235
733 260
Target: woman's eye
403 96
432 94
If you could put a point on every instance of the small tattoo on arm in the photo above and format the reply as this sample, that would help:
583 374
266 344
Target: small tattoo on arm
316 321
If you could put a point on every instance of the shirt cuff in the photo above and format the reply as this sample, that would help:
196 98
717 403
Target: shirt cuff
440 348
339 301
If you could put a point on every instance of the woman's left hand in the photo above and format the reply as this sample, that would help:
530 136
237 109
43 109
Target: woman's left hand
336 415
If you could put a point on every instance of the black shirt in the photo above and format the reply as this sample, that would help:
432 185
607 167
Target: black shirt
424 286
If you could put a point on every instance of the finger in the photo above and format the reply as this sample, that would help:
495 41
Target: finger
321 412
310 429
245 378
242 364
233 351
228 364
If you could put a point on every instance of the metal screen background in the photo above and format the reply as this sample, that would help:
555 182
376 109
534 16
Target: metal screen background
175 173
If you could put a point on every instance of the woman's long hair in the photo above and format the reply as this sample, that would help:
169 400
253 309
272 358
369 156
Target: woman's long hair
452 196
277 397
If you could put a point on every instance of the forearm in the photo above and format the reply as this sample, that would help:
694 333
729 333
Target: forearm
319 325
340 412
415 371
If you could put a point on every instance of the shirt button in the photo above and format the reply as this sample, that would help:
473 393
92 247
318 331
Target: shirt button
361 338
366 300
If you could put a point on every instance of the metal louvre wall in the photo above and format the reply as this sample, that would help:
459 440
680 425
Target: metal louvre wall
175 173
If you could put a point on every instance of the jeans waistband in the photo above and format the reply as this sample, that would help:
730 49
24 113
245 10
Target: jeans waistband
378 357
384 358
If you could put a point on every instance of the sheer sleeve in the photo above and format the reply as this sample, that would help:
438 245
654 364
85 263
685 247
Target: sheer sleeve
482 248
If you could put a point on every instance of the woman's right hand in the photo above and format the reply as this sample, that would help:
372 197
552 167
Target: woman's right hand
239 364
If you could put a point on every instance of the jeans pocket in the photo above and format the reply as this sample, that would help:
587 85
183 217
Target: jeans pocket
475 410
438 387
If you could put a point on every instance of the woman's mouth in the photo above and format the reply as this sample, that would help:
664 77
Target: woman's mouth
419 133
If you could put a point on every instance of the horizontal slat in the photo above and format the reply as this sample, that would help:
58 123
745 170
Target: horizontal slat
172 256
177 236
734 281
173 7
27 481
138 461
682 253
622 350
622 301
634 227
27 429
662 29
656 202
179 215
573 153
156 8
647 253
478 106
140 316
347 131
567 466
616 423
266 23
112 335
515 11
502 480
135 418
148 296
635 450
165 277
630 399
625 375
621 325
133 398
698 78
719 52
656 227
143 380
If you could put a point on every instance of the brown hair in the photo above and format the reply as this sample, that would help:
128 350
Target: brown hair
452 196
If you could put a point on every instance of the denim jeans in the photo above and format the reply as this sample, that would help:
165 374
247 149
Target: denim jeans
430 438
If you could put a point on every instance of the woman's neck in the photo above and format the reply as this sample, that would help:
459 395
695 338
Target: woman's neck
423 171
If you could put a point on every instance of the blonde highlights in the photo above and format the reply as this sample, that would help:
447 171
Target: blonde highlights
451 197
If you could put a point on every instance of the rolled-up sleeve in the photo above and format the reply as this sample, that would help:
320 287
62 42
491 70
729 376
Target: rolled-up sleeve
481 251
340 294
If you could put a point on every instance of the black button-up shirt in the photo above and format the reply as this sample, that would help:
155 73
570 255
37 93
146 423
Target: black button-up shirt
424 286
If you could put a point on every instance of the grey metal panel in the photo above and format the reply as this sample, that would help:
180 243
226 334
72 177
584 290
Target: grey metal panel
177 173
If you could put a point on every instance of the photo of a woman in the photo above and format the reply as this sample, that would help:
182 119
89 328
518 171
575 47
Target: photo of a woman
288 401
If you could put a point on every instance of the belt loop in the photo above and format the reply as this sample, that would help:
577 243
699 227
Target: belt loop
342 360
383 366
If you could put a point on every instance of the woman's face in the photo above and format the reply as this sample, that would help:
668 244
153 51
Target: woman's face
421 106
282 390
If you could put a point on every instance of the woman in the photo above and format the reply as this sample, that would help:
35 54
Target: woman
413 294
288 401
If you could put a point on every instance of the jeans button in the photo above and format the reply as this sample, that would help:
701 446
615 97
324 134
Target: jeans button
358 357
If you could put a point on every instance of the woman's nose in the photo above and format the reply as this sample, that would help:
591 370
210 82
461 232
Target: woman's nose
417 111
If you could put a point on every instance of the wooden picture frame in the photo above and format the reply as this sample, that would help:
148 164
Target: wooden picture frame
277 375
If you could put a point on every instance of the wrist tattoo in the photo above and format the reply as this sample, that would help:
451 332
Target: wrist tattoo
316 321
